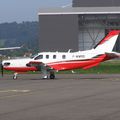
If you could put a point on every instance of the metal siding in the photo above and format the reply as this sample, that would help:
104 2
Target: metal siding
58 32
95 3
89 37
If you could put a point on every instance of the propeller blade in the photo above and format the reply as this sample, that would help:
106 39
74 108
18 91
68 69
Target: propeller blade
2 70
1 66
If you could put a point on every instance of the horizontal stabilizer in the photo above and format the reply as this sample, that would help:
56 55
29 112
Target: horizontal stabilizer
113 55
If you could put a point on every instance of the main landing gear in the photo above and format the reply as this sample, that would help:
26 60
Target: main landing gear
51 75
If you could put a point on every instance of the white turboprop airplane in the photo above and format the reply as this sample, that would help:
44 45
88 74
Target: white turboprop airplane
49 62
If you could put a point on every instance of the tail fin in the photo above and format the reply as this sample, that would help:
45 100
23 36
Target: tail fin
107 44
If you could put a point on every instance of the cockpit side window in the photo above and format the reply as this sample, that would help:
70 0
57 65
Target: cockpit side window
39 57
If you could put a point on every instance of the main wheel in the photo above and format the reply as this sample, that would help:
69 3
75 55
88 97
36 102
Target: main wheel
52 76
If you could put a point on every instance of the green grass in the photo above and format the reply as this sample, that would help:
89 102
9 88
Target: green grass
107 67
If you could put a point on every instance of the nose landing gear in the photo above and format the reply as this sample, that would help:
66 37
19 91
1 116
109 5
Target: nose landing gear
15 76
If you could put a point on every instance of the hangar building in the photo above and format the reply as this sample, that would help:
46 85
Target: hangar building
79 27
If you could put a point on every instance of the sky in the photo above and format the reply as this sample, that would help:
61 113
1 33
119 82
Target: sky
26 10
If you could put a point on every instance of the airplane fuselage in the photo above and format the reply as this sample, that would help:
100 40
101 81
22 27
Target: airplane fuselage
57 60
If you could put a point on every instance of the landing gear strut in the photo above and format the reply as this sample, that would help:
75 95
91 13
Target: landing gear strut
46 76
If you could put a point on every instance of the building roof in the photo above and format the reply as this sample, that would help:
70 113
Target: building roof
95 3
79 10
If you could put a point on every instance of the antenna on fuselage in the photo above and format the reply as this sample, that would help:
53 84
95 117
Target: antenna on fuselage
69 50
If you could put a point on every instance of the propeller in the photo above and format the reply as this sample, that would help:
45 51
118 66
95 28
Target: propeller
2 70
1 67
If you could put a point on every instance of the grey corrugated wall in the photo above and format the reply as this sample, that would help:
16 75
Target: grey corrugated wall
95 3
58 32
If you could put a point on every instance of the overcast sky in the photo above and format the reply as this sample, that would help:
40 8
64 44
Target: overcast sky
26 10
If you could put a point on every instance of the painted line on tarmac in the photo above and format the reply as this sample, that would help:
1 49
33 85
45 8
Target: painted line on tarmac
21 93
14 90
15 93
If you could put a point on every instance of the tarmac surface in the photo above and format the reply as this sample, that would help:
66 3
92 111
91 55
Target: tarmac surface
69 97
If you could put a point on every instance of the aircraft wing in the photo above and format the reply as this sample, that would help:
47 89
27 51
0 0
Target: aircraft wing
10 48
39 65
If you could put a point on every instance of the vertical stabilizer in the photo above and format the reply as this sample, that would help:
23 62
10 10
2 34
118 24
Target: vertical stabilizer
107 44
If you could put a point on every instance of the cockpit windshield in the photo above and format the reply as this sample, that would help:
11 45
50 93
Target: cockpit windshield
38 57
33 56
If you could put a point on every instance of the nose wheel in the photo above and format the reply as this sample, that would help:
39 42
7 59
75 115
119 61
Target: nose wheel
15 76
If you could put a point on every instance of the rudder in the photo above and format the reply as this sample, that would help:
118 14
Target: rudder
108 42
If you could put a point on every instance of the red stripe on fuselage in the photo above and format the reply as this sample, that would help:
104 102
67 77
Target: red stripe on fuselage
21 69
68 65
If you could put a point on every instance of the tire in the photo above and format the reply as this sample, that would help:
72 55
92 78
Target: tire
14 77
52 76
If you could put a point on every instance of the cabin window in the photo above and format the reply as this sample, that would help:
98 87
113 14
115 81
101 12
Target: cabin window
47 56
54 56
63 56
39 57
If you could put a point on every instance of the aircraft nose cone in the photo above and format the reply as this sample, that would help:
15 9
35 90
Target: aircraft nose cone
5 63
2 63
